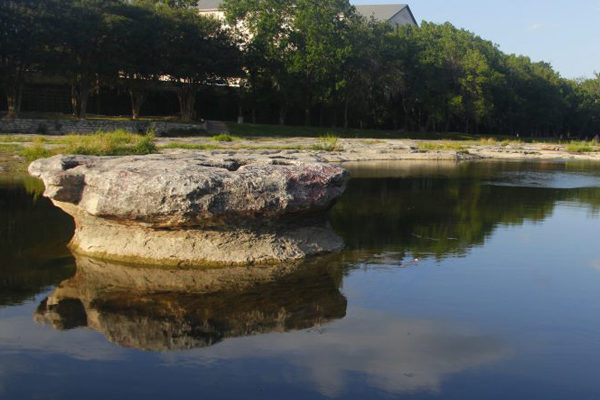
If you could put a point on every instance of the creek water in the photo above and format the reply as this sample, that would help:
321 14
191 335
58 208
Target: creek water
460 281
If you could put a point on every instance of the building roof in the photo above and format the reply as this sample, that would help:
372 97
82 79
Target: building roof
381 12
209 4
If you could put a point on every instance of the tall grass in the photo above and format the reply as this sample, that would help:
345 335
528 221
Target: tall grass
582 147
115 143
224 137
328 142
442 146
36 151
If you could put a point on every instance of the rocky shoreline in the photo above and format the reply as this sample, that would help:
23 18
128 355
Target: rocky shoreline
346 150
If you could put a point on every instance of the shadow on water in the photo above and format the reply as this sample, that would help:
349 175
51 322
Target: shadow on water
415 209
33 238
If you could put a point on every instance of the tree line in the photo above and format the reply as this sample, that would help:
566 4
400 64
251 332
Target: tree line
91 44
297 61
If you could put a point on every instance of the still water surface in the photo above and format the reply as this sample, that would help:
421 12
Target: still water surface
504 301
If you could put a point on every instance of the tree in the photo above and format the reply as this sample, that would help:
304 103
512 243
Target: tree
88 50
197 51
23 41
141 43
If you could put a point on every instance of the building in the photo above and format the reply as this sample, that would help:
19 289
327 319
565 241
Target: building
394 14
211 8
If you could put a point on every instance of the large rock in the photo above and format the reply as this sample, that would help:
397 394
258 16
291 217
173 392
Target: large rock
190 208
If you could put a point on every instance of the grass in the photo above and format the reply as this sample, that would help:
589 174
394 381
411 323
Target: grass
224 137
327 142
115 143
15 139
442 146
10 148
37 151
582 147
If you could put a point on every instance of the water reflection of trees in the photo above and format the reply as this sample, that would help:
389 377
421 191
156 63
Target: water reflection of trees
33 237
142 307
438 216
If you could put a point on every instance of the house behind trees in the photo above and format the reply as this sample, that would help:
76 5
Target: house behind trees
394 14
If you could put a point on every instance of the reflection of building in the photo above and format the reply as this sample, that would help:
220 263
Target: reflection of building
394 14
171 309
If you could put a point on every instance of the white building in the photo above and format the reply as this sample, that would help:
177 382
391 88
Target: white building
394 14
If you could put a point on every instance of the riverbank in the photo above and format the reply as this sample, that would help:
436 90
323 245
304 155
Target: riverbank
326 149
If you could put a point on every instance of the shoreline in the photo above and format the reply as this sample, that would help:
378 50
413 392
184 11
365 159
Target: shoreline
346 150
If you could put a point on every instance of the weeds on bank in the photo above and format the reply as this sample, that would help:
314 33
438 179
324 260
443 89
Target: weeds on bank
115 143
36 151
224 137
441 146
15 139
582 147
327 142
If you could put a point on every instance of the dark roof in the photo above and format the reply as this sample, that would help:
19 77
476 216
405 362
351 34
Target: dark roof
381 12
209 4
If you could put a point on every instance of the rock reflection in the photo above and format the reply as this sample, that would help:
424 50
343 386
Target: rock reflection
176 309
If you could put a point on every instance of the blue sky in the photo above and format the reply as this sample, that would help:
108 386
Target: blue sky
565 34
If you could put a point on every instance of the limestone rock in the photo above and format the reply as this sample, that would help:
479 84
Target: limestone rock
190 208
171 191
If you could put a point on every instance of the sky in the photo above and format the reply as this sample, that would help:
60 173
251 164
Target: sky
564 33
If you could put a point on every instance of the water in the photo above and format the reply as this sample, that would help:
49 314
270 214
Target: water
503 301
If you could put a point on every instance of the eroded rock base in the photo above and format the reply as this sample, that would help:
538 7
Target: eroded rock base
136 243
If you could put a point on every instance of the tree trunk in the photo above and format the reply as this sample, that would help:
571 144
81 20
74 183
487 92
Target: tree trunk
80 92
14 95
282 114
137 98
307 116
321 115
346 114
187 101
240 118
